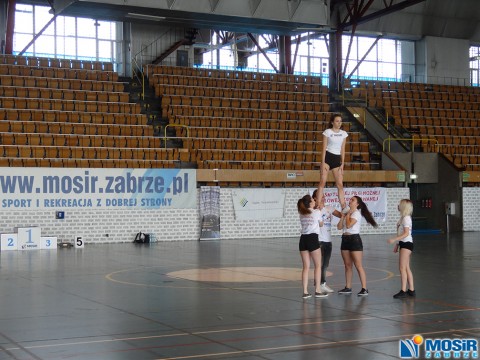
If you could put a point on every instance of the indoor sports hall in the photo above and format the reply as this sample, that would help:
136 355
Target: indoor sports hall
158 163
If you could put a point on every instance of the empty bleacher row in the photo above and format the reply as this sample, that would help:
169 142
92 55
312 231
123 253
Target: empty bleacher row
469 162
44 127
201 91
254 123
409 86
449 132
58 72
69 156
422 98
239 103
456 114
447 114
272 165
238 134
227 83
228 112
86 163
85 140
436 122
63 94
353 148
388 101
82 152
21 103
60 84
153 70
309 159
34 61
73 116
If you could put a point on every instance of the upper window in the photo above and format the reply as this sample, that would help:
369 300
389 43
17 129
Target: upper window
66 37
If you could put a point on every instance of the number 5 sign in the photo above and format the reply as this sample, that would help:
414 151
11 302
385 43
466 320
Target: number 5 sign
79 244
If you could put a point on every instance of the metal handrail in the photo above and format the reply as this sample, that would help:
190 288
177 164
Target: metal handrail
138 69
413 139
165 137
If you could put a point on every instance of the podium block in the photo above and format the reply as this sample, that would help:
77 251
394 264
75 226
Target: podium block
29 238
48 242
8 242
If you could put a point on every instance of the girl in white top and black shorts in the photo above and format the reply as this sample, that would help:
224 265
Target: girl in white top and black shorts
352 246
310 221
333 158
405 247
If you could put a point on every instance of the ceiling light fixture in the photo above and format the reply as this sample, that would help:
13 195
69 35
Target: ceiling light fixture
145 16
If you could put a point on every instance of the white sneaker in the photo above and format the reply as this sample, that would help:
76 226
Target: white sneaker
345 210
326 289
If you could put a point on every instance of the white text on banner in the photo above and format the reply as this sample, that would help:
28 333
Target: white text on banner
61 188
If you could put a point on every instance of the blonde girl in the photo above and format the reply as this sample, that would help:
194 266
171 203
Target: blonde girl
405 248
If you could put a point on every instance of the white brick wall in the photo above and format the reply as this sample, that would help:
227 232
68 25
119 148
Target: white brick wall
178 224
290 226
471 208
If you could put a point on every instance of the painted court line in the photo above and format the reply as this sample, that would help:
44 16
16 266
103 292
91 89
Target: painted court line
181 334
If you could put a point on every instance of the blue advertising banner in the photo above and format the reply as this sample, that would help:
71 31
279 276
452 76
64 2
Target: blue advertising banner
57 188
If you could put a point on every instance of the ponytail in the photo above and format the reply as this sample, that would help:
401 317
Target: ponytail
303 205
365 212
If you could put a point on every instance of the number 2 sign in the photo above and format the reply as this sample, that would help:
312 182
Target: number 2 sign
8 242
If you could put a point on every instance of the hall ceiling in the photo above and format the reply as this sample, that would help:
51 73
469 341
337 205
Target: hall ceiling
442 18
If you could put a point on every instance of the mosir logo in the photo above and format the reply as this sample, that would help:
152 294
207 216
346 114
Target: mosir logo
449 348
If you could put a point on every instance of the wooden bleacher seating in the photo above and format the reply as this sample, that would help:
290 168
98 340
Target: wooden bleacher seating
72 113
249 120
448 114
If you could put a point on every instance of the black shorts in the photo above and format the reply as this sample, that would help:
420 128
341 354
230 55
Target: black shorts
406 245
332 160
352 242
308 242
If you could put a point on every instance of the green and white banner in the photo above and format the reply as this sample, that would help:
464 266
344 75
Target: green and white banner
257 204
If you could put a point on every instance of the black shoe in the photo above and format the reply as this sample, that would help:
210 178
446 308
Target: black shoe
306 296
411 293
400 295
345 291
363 292
320 295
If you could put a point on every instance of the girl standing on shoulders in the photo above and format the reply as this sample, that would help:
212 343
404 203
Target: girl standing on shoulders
333 158
310 221
352 246
405 247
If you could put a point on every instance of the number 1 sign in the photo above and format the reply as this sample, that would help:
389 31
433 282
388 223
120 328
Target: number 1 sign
29 238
